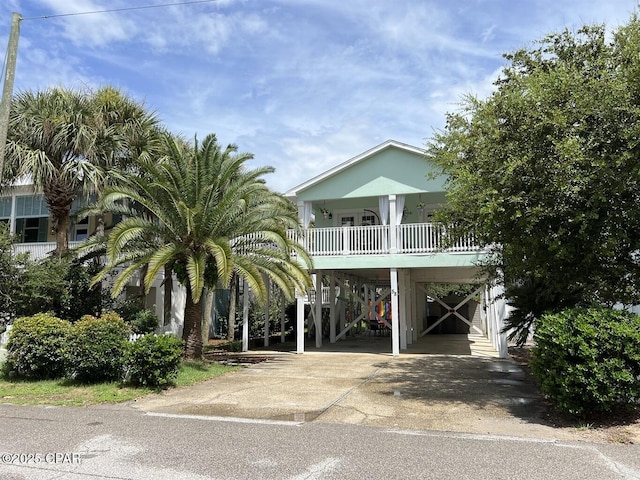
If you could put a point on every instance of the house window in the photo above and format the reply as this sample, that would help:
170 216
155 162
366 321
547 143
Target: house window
81 230
368 219
32 218
31 230
357 219
5 208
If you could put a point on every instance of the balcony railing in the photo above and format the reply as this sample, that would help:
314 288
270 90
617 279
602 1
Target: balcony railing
39 250
411 238
375 240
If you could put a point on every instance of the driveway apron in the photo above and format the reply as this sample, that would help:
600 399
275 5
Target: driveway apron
462 393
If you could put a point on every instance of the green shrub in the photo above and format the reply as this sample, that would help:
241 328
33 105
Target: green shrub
59 285
588 360
96 348
36 346
144 321
153 361
141 319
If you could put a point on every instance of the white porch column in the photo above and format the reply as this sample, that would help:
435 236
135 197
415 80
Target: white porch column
393 225
245 317
318 307
366 303
332 307
409 306
395 324
266 312
415 312
502 345
12 215
159 303
299 322
402 284
283 333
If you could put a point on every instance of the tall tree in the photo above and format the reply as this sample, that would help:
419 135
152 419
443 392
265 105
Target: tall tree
66 140
48 138
211 217
124 131
546 171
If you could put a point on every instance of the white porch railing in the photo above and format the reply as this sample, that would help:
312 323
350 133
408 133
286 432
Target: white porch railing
431 237
39 250
374 239
332 241
337 241
311 295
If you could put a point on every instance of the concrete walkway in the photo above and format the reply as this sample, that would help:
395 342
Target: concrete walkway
475 393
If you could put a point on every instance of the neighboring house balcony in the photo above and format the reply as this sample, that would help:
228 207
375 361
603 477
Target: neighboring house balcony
39 250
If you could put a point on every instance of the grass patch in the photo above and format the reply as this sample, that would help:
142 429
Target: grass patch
197 371
65 392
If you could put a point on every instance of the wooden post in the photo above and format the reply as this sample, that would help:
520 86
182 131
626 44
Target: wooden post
7 90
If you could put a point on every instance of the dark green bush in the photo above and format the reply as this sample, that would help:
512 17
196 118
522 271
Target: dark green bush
587 360
144 321
153 361
36 346
59 285
96 348
141 319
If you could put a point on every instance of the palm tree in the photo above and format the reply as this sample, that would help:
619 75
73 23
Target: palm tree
64 139
48 137
124 131
211 217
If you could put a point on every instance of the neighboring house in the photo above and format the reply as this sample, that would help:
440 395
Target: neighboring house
367 225
25 210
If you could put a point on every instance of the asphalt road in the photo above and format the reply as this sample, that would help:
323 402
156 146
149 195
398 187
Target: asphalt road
119 442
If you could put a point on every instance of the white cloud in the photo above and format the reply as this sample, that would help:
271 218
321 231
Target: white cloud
90 29
303 85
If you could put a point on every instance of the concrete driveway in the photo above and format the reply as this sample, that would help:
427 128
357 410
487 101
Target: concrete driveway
474 393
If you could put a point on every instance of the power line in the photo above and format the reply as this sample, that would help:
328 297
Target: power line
121 9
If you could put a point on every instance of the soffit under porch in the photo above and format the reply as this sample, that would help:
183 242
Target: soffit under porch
381 276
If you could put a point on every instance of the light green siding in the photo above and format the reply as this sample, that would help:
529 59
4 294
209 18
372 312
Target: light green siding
389 171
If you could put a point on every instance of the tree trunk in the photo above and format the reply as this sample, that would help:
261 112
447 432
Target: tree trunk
168 293
61 226
206 319
59 196
231 323
192 331
100 225
143 286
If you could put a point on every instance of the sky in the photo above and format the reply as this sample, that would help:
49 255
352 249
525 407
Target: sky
304 85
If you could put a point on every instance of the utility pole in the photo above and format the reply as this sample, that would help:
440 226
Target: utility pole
7 90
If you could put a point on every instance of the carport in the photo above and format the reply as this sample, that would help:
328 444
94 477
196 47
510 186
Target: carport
399 302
